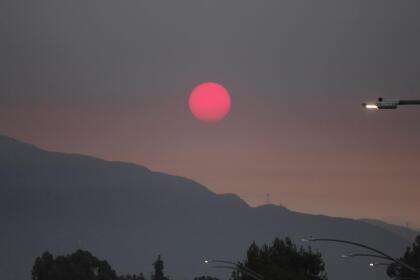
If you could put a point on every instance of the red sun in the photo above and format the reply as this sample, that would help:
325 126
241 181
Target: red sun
209 102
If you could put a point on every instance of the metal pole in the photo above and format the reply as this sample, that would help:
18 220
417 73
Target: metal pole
390 103
365 255
238 267
409 102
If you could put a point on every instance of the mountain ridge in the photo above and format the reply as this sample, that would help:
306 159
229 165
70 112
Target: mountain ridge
116 209
408 234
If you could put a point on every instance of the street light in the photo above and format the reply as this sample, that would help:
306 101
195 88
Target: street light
389 103
363 255
236 266
376 251
372 264
370 256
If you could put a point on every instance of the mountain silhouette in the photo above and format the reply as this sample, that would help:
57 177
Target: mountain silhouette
128 214
405 232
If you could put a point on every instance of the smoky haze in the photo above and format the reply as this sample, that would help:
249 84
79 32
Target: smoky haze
112 79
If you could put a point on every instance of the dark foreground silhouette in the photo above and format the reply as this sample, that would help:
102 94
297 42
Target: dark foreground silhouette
282 260
82 265
411 257
277 261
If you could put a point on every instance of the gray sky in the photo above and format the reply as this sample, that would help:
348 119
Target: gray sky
112 79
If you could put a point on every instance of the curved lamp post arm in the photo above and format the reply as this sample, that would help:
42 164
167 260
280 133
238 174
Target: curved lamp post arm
238 267
365 255
386 256
409 102
379 263
223 261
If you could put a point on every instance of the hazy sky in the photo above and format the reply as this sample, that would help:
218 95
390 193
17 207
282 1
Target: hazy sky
112 79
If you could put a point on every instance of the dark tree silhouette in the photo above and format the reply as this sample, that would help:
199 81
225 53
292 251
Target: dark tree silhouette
82 265
282 260
158 267
411 257
43 267
235 275
79 265
205 278
132 277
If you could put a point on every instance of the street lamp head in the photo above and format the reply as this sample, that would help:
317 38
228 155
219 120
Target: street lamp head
370 106
377 252
308 239
387 103
380 264
382 104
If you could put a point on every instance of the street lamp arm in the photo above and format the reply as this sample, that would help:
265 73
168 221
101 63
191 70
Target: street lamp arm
366 255
223 261
253 276
380 263
239 267
386 256
409 102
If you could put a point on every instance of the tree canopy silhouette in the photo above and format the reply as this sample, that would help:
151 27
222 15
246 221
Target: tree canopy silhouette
205 277
132 277
158 267
80 265
411 257
282 260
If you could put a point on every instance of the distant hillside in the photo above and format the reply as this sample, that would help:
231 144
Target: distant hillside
128 214
405 233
